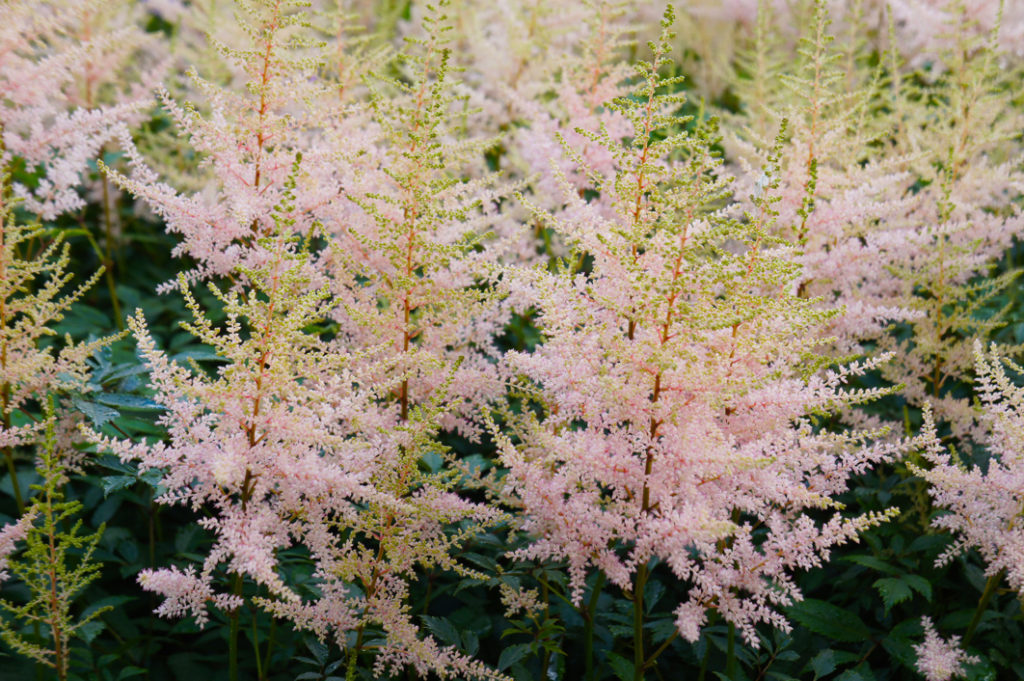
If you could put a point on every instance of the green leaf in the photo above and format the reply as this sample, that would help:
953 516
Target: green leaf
442 629
829 620
893 590
108 602
90 630
851 675
622 667
512 654
130 671
899 646
982 670
113 483
198 356
652 594
779 676
470 642
97 413
824 663
187 537
920 585
873 563
128 401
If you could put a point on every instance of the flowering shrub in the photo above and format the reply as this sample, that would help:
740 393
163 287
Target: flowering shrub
510 340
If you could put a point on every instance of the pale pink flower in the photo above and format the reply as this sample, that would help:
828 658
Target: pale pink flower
71 77
984 504
939 659
10 535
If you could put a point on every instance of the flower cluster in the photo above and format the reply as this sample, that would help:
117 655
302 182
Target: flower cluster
938 659
494 269
66 89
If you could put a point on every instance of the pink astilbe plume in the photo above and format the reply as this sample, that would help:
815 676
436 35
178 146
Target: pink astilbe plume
321 443
72 76
839 205
246 139
516 46
966 215
416 238
939 659
10 535
676 386
257 441
894 208
984 504
286 444
558 143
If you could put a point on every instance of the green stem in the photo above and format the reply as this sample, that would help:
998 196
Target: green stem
545 595
233 634
702 674
353 658
108 262
589 616
986 596
270 645
256 647
353 655
662 648
638 623
730 653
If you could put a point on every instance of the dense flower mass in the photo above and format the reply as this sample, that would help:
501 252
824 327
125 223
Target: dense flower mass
938 659
511 340
984 503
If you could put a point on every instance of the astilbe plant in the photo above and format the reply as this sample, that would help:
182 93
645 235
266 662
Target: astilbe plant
44 549
246 139
676 382
414 244
982 505
257 442
965 127
32 299
396 240
895 195
353 52
515 47
562 112
66 88
924 26
56 564
300 441
838 203
411 261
